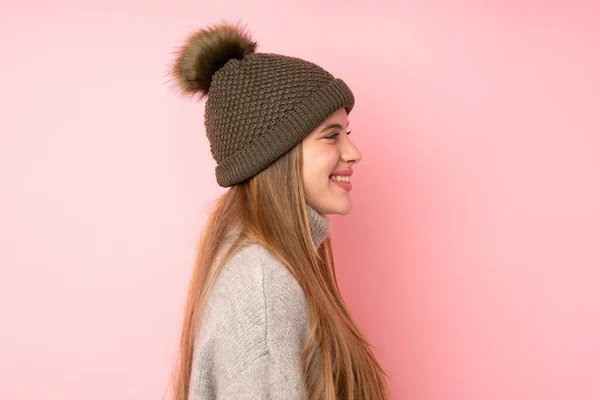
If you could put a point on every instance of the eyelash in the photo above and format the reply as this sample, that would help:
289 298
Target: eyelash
335 135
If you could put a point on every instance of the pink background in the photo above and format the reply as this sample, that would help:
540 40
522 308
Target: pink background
472 255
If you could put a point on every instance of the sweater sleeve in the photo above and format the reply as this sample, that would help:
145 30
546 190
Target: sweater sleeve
260 379
251 337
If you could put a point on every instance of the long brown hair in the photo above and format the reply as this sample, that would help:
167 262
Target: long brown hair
270 208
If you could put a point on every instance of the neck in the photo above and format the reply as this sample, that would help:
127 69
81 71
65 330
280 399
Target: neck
319 226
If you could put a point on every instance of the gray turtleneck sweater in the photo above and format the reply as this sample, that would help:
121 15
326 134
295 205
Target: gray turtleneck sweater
251 333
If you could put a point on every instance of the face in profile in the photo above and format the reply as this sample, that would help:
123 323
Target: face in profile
328 156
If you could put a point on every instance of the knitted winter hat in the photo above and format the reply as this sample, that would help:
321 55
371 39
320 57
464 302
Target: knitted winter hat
260 105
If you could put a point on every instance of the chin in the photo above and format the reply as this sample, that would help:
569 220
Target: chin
339 209
346 210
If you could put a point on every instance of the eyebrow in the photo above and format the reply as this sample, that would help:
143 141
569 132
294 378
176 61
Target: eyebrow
333 125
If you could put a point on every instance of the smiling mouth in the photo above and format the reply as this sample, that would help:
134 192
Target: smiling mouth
340 178
342 181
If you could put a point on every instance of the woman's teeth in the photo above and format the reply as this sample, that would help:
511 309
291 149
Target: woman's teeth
340 178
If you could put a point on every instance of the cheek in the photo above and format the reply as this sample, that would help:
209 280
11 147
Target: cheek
319 163
326 161
321 169
313 178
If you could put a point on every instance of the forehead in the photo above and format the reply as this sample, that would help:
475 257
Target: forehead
338 117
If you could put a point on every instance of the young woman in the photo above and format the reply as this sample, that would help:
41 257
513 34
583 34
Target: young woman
264 316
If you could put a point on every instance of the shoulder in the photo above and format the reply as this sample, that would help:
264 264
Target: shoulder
255 294
253 273
256 311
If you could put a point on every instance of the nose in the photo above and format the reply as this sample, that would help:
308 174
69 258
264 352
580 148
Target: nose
350 152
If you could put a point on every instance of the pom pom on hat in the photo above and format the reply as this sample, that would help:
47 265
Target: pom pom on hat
205 52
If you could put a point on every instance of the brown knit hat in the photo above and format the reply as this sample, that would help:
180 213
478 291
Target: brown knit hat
260 105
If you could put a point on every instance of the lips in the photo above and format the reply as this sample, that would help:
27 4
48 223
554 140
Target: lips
339 178
347 186
343 172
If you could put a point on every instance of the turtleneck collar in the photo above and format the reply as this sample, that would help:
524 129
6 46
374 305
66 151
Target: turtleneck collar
319 226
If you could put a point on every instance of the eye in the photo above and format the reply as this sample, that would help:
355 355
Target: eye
335 135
